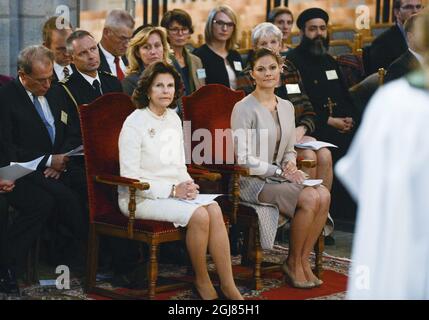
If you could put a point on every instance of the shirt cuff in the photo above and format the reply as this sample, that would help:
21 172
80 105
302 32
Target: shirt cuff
49 162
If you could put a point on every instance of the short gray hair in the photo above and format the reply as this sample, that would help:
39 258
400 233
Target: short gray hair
79 34
31 54
265 29
118 18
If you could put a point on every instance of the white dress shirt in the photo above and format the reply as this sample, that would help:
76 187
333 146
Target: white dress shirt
91 79
111 61
46 112
59 71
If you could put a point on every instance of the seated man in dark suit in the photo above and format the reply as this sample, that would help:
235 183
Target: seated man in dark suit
392 43
117 33
34 205
36 123
412 58
55 40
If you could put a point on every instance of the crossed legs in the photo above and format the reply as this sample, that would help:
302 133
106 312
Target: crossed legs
206 229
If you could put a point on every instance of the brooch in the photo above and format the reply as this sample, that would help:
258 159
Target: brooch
152 132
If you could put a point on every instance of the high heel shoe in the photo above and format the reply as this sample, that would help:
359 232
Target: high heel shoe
292 281
196 293
317 282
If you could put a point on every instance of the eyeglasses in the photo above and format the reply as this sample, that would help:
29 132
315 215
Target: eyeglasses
178 30
121 38
41 81
223 24
410 7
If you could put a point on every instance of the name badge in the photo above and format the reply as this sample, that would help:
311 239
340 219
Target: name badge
201 73
238 66
64 117
293 88
331 74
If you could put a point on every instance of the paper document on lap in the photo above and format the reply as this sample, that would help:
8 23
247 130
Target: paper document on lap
203 199
315 145
17 170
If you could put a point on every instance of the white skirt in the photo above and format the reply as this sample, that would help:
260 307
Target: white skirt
168 210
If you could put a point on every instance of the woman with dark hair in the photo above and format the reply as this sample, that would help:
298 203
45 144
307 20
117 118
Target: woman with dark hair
282 17
221 61
151 149
178 24
274 185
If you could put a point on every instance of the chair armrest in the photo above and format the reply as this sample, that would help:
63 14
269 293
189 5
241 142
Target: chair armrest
197 173
122 181
224 168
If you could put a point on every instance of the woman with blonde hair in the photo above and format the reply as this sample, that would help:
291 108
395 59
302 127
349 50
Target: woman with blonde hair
221 61
148 46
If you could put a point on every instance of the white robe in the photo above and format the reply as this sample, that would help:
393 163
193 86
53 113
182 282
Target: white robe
387 172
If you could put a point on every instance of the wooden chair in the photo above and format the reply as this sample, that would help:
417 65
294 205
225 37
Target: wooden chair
381 75
210 108
340 47
101 123
342 33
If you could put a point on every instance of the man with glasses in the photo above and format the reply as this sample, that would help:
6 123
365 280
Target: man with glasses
117 33
36 124
55 33
392 43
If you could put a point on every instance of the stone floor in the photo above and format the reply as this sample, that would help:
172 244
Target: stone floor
343 245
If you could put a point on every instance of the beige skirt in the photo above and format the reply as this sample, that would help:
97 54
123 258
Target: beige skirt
283 195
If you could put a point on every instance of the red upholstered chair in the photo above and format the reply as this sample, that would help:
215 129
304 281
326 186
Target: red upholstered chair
101 123
210 108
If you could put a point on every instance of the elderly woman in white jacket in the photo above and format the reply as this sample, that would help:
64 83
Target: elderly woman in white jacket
151 149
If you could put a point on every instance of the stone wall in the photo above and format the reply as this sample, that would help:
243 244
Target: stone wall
21 22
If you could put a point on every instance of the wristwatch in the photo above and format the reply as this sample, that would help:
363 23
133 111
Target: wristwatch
279 172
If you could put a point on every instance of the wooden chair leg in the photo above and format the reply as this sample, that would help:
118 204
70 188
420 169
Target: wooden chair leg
258 261
152 270
92 259
318 250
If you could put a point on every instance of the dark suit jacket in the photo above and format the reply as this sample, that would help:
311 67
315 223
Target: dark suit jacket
25 135
215 66
385 49
104 66
83 93
401 66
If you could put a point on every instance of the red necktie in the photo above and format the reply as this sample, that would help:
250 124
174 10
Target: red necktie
119 72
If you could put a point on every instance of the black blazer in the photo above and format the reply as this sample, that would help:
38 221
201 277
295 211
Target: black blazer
25 135
83 92
104 66
215 66
386 48
401 66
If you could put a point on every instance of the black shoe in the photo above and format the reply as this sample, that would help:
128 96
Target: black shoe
8 282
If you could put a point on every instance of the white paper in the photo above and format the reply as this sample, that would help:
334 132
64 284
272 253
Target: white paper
17 170
332 74
293 88
48 283
315 145
203 199
76 152
312 182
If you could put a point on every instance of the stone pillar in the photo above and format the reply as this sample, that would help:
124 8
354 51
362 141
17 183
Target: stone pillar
21 25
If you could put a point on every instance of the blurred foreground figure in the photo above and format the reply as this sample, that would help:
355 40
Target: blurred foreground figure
386 171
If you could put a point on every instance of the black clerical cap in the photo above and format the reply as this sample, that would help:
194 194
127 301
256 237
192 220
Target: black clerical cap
312 13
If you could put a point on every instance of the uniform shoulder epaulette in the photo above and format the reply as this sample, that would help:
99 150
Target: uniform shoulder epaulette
108 73
64 81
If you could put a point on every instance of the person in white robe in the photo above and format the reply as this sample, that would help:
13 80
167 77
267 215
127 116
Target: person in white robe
387 172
